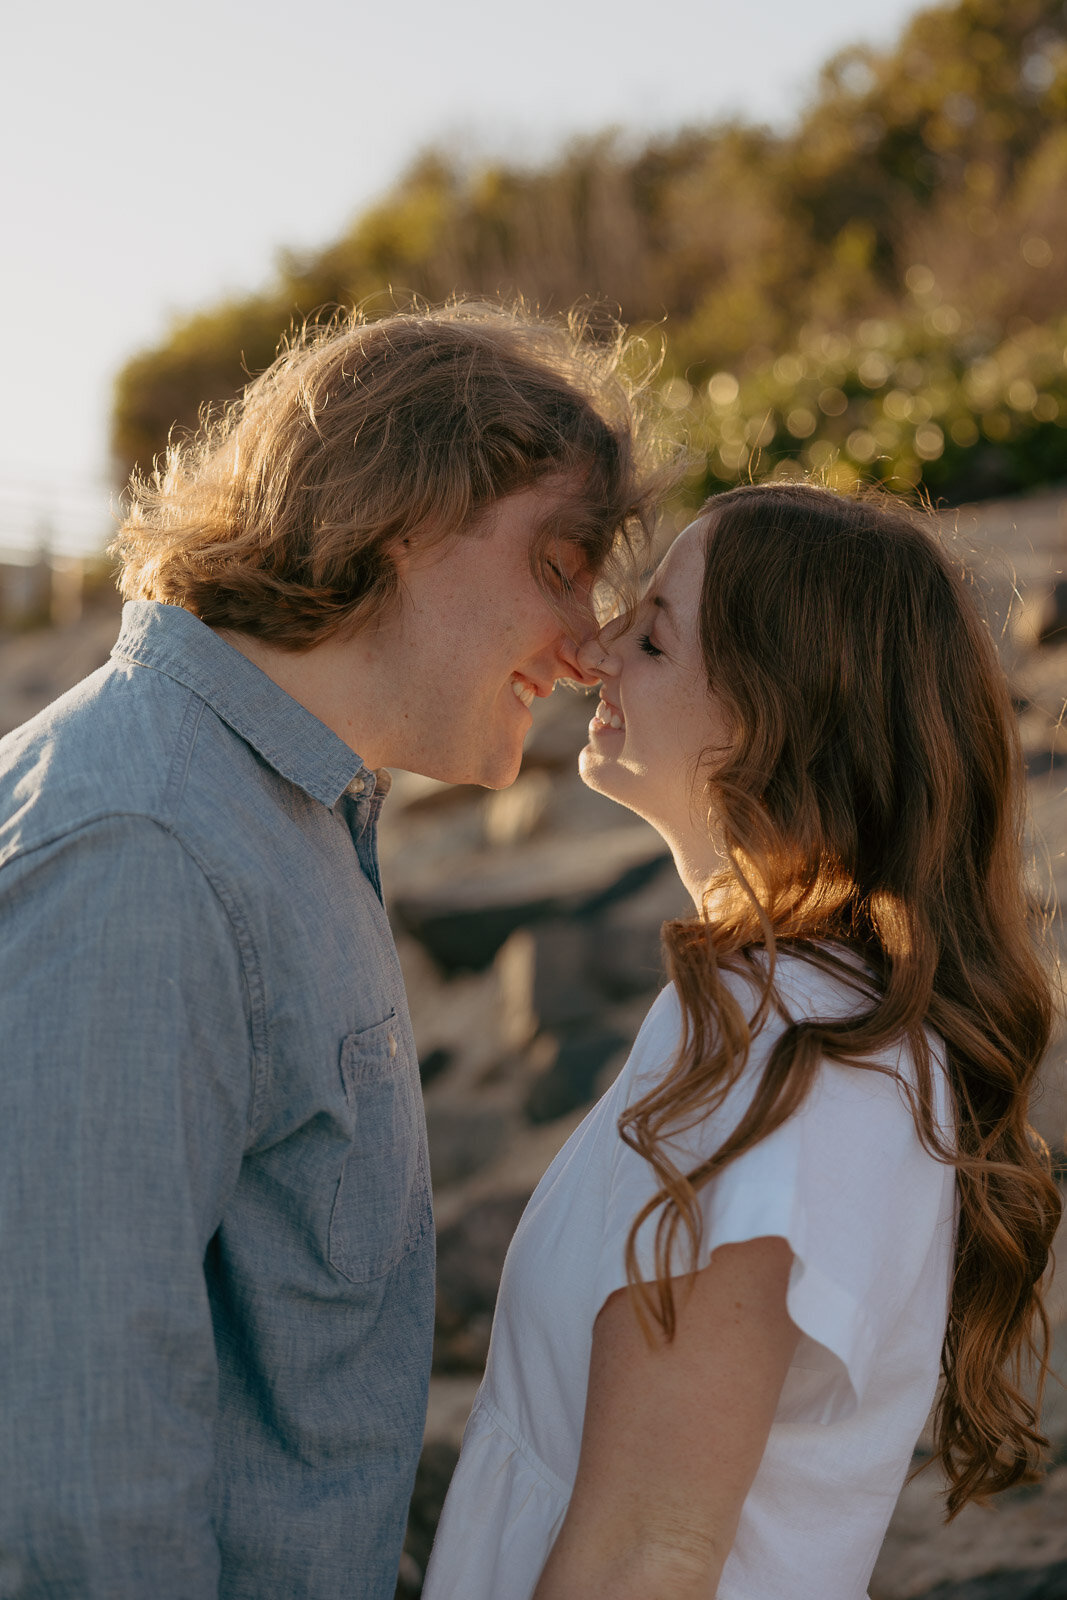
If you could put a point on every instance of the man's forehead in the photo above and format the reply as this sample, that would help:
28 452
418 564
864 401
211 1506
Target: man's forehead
561 497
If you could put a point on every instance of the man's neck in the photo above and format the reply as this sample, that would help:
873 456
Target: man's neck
336 680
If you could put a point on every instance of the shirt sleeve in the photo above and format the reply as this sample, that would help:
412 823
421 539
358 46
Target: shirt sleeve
845 1181
124 1101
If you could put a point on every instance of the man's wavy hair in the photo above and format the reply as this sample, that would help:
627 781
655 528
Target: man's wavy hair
871 799
279 518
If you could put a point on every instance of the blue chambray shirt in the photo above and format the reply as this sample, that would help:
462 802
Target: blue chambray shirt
216 1243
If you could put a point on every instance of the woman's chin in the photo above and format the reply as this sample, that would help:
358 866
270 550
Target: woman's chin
591 766
618 784
606 777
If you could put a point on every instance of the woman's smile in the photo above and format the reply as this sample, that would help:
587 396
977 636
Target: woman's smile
656 720
606 719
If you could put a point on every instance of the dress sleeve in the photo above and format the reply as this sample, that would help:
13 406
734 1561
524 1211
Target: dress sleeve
845 1181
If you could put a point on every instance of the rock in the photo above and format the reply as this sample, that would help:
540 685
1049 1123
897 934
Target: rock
463 939
463 1138
38 665
470 1258
514 814
433 1063
626 955
1023 1531
518 1169
452 1399
560 729
1041 1583
1052 618
564 992
409 1578
464 1028
609 950
432 1477
465 917
571 1079
1048 1108
415 795
1039 764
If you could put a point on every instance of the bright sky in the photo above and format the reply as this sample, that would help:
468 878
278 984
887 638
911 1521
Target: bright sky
157 157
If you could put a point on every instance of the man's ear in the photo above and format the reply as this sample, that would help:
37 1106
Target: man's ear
422 547
400 552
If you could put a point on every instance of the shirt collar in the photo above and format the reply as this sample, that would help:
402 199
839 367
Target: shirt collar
296 744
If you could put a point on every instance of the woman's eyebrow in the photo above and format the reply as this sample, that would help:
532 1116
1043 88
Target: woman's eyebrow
663 605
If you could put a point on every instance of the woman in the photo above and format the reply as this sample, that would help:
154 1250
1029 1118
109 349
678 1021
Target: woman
812 1187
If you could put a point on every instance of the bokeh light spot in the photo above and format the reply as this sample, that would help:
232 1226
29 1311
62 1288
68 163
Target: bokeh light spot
801 423
861 445
964 432
929 442
677 394
1036 251
723 389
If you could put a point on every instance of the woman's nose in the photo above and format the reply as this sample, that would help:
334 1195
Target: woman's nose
594 658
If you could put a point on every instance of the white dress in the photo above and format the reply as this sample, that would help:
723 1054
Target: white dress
870 1217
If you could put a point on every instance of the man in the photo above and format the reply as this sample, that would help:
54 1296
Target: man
216 1239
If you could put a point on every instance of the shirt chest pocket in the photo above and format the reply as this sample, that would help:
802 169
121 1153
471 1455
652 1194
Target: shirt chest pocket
382 1206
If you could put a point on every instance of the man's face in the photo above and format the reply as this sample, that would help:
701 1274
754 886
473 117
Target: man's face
478 638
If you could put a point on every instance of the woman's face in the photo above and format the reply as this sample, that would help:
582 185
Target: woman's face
658 724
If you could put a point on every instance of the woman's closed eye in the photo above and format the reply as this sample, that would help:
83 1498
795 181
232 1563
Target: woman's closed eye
645 643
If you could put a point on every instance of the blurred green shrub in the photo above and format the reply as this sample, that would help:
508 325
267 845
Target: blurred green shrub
912 401
913 221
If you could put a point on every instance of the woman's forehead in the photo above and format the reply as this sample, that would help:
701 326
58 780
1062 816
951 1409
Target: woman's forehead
682 561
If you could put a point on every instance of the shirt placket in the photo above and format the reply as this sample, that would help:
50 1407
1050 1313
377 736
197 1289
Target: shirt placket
361 807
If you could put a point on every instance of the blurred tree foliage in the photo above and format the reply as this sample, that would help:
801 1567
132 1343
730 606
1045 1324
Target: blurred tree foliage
880 292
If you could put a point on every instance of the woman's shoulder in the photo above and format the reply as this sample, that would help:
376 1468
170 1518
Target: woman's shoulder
804 987
821 983
659 1034
818 982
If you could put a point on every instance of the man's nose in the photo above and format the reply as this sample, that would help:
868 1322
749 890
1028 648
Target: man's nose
582 658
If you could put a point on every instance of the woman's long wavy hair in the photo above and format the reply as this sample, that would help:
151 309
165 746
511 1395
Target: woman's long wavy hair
872 798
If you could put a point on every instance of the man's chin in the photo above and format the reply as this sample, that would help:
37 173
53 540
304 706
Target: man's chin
502 775
490 770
